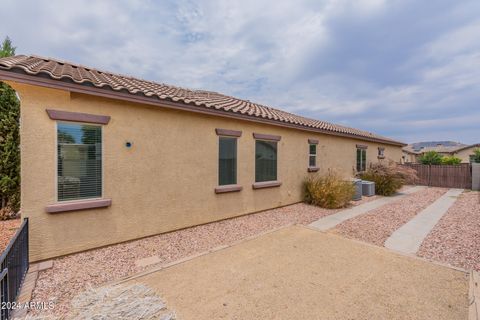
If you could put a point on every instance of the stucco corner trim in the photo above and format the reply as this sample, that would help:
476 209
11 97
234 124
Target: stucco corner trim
266 184
312 141
261 136
228 188
78 205
362 146
228 133
313 169
77 116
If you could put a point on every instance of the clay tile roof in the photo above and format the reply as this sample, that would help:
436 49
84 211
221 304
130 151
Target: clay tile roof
53 69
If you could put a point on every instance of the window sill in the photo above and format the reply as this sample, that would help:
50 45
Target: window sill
78 205
381 157
266 184
313 169
228 188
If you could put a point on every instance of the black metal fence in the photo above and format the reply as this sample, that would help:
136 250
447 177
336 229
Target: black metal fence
13 268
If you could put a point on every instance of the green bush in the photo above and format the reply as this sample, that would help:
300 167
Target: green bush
476 155
328 191
451 160
389 178
431 157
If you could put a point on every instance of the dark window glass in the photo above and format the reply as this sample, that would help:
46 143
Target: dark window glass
312 160
265 161
79 163
227 161
361 159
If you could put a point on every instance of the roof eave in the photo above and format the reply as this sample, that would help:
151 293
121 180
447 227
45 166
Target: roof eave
10 75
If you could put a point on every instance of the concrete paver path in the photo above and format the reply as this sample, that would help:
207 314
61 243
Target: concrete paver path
333 220
410 236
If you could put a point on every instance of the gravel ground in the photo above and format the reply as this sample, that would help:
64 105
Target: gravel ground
377 225
7 230
456 238
77 272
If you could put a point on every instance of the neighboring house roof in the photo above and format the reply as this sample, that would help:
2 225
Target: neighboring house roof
440 149
407 150
475 145
64 75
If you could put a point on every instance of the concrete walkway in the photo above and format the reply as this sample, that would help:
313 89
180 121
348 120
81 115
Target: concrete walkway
333 220
409 237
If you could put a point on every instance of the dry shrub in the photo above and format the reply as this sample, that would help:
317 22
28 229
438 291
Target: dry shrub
328 191
408 175
7 213
389 178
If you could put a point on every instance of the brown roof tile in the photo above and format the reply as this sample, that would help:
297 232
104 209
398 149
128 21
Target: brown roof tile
40 67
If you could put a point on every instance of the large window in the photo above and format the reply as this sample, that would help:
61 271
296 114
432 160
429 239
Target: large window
79 162
265 160
361 159
227 161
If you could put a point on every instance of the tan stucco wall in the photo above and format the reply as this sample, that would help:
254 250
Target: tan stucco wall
408 157
465 154
166 180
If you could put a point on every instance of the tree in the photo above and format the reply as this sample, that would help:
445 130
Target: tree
7 49
9 142
476 155
450 160
431 157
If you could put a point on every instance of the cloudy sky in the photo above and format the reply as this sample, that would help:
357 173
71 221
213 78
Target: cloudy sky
406 69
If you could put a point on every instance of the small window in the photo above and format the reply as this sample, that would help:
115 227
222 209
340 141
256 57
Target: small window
265 160
227 161
79 161
361 159
312 159
381 152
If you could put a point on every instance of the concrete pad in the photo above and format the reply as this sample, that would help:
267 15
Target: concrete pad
333 220
26 292
44 265
301 273
147 261
409 237
474 296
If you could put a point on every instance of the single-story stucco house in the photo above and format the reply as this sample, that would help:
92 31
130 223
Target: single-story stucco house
108 158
